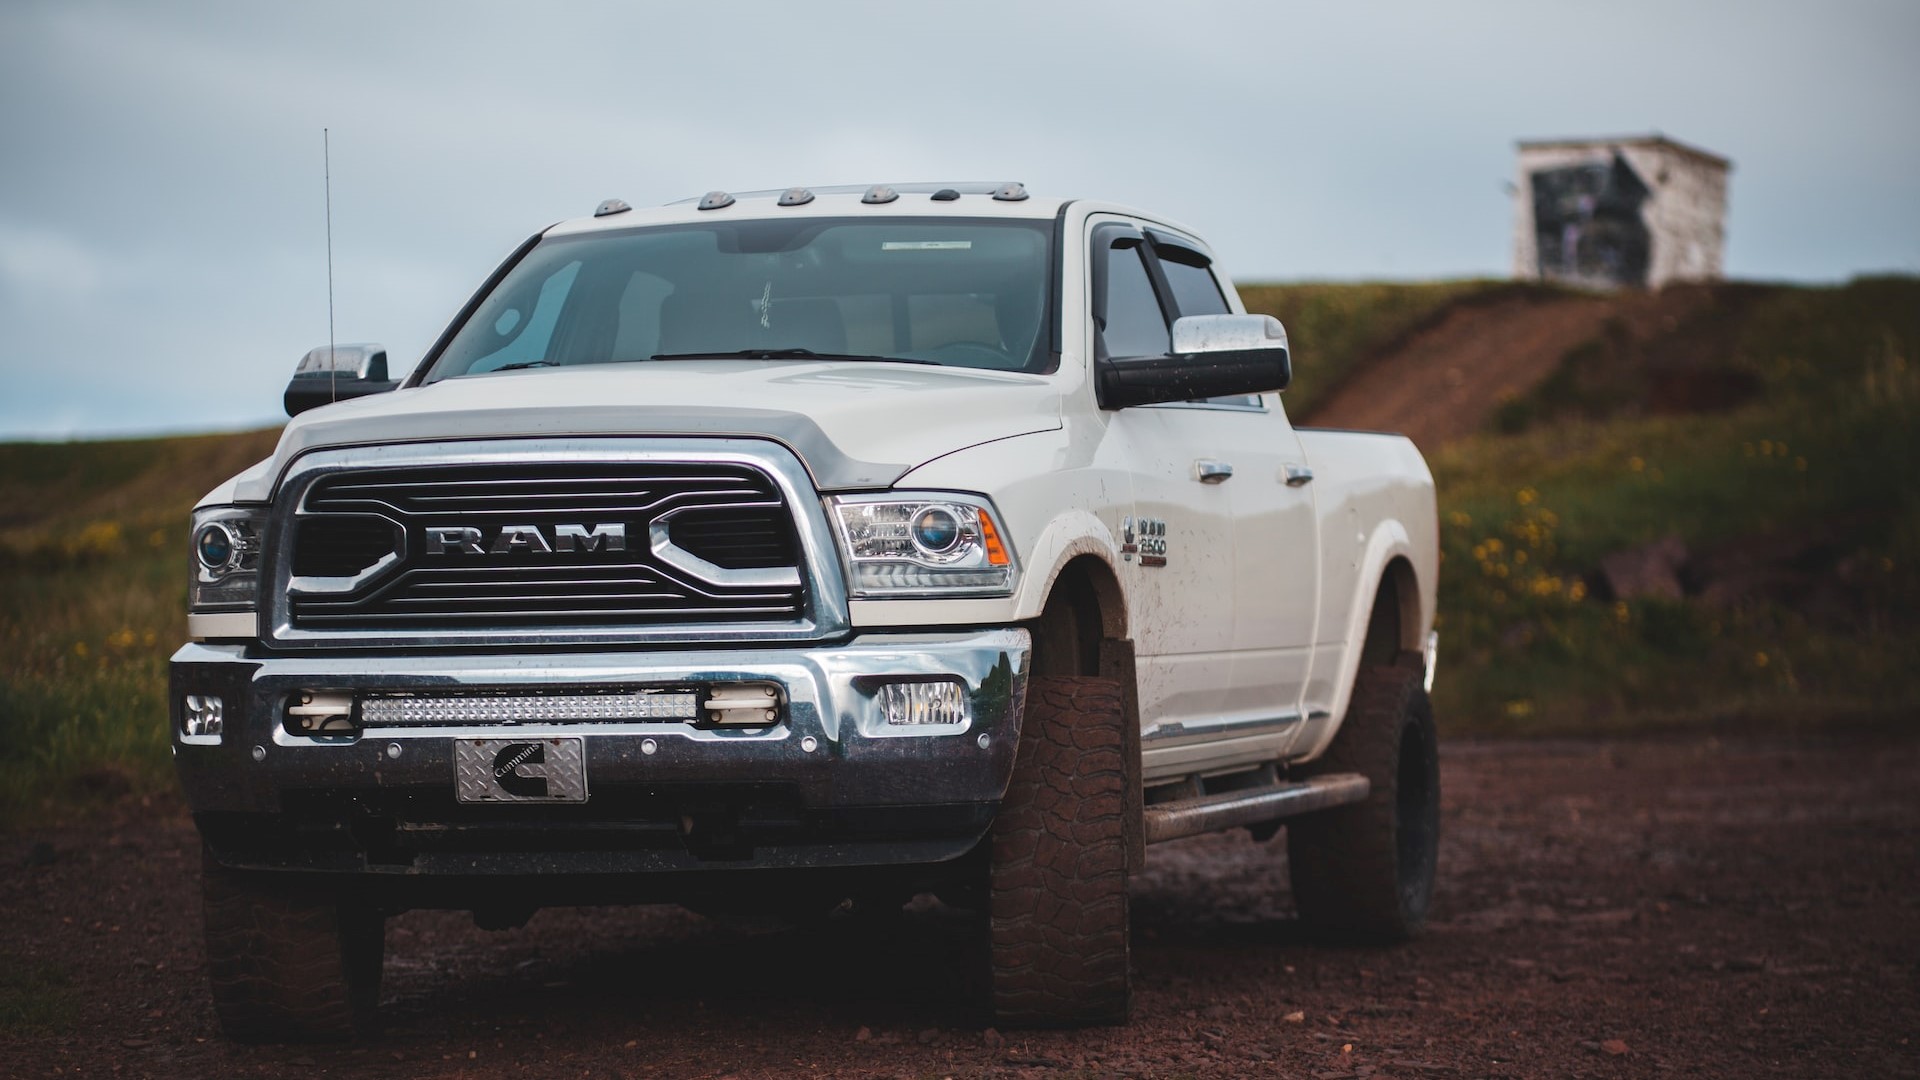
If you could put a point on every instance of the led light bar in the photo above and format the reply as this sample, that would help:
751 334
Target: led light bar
430 710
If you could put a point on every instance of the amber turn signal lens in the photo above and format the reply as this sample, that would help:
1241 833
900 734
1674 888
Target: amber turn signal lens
990 538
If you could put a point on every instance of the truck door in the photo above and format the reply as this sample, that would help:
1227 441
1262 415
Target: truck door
1275 540
1177 543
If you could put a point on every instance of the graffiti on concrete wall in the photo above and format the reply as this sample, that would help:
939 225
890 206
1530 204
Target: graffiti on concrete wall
1587 223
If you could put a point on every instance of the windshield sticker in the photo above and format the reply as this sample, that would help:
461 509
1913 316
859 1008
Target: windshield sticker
764 305
926 245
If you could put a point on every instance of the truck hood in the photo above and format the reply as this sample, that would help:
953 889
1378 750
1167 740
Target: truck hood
852 424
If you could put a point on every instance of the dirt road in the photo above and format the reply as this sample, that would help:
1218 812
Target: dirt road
1643 909
1445 381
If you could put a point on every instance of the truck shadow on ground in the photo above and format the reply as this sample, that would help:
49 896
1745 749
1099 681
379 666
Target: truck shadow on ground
643 967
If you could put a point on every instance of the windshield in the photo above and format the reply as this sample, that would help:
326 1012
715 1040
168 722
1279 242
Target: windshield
964 293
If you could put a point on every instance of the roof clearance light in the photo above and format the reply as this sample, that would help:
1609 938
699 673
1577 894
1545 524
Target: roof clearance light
715 200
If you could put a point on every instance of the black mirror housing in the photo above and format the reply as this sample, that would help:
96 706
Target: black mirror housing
1213 356
333 373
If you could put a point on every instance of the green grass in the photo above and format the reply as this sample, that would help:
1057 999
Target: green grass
35 998
1332 328
1819 471
93 567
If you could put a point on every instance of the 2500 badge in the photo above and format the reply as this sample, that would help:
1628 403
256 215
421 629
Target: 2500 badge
1145 537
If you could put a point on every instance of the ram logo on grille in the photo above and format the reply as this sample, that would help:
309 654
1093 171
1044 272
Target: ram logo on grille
467 540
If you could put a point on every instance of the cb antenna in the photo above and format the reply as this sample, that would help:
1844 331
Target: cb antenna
326 173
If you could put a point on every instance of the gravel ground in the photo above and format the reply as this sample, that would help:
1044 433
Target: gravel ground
1688 907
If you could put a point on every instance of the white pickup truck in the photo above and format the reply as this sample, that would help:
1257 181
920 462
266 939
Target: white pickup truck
806 551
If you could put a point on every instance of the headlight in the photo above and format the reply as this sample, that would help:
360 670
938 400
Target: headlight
226 558
923 544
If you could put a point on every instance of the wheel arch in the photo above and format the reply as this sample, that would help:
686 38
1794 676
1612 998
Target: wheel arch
1084 607
1389 615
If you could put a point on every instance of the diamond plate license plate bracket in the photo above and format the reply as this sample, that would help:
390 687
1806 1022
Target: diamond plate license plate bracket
538 770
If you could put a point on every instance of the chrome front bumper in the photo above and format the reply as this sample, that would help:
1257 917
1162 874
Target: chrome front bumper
830 784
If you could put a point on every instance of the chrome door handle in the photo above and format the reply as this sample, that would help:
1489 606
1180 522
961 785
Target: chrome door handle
1208 471
1298 475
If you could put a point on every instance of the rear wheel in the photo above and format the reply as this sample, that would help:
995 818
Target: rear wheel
1365 872
288 965
1057 878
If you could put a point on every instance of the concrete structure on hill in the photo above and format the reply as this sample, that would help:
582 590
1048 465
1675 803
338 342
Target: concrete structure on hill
1640 211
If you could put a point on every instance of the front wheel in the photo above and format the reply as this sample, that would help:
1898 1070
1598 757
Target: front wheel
1365 872
286 964
1057 883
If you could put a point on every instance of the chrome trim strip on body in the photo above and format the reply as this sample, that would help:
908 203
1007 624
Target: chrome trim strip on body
1221 727
824 595
227 625
327 586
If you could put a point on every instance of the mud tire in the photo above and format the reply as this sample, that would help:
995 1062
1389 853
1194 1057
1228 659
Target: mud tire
286 964
1057 880
1364 873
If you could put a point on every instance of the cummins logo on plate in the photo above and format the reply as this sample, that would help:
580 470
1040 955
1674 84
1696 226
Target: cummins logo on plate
521 770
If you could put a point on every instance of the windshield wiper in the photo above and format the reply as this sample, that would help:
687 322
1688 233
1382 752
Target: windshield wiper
526 364
787 354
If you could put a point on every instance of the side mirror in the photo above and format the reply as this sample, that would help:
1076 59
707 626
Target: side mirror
336 373
1213 356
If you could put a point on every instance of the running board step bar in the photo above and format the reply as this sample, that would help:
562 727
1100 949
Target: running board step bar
1252 806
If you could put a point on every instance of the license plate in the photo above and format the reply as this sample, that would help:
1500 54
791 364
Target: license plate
548 770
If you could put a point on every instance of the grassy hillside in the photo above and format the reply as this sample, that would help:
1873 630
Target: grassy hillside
93 565
1770 435
1762 455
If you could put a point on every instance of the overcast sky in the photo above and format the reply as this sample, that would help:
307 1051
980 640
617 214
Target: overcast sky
162 241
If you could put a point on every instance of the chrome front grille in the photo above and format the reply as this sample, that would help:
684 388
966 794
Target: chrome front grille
544 544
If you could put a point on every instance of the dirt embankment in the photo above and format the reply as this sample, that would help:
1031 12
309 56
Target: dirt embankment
1654 909
1446 380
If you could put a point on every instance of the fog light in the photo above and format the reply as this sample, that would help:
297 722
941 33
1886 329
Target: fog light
917 704
202 718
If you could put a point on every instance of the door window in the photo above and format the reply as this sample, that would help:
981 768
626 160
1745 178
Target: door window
1135 325
1194 290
